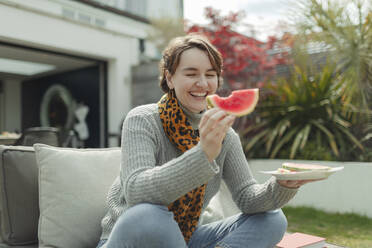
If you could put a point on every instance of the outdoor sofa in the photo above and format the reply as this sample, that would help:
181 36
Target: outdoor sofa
56 197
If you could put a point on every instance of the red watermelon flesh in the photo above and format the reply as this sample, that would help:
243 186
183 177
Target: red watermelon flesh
239 103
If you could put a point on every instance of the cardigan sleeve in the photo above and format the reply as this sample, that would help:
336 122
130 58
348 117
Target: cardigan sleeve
250 196
142 180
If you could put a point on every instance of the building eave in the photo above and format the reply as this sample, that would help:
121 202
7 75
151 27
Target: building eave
114 10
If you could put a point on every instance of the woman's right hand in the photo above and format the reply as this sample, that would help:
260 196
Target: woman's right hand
213 127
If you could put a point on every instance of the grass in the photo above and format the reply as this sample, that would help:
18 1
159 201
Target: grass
350 230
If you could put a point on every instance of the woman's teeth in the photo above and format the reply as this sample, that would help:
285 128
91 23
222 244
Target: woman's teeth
199 94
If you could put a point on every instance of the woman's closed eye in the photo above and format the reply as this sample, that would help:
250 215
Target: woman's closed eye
210 75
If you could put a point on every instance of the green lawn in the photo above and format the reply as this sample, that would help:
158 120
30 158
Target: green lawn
350 230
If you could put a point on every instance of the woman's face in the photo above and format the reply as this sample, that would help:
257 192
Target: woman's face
193 80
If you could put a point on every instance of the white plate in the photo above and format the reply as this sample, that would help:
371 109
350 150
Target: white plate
304 175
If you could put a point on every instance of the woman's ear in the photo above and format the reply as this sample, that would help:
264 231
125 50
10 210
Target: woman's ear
169 80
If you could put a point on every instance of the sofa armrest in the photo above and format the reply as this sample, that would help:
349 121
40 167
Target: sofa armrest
19 205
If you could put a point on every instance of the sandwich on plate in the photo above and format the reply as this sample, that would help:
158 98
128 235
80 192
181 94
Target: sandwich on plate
293 168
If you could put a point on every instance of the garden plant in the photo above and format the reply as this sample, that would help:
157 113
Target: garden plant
306 108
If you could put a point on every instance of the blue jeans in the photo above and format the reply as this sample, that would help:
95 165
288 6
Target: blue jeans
152 226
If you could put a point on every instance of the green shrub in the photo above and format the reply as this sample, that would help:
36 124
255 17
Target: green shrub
364 132
311 151
300 114
345 28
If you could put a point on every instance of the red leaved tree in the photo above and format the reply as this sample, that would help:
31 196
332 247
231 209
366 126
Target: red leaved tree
247 61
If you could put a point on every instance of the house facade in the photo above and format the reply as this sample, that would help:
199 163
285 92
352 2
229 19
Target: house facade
67 63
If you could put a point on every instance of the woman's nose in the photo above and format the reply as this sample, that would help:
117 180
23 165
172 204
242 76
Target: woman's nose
202 82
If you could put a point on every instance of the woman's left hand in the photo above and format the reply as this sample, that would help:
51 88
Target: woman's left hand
295 184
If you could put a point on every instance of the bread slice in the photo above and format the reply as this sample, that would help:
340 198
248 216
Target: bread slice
304 167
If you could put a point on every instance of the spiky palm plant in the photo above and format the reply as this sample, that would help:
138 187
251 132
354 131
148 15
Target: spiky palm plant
300 109
346 28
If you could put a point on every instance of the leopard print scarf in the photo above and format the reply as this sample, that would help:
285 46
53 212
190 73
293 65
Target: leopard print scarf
186 209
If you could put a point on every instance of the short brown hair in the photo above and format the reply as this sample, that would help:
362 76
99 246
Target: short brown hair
172 54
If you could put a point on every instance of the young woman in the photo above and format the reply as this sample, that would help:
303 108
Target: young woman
175 154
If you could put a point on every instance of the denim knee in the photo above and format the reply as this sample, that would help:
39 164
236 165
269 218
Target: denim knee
145 224
275 224
262 230
269 228
144 220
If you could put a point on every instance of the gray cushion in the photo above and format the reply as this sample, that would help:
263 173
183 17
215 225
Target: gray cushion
19 204
73 186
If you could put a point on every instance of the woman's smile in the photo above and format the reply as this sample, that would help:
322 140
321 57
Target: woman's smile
199 94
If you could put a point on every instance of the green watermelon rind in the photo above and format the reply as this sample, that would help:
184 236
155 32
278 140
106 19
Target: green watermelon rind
247 111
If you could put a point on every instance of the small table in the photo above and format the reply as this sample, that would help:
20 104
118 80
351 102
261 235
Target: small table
8 140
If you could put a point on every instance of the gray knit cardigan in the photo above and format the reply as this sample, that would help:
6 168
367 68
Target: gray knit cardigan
153 170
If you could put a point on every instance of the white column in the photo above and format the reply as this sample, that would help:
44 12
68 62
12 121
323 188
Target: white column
12 105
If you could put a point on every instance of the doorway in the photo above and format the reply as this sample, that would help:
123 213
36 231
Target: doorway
83 79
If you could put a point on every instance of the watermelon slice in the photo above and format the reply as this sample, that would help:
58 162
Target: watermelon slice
239 103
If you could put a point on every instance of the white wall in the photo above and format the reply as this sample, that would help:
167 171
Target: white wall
346 191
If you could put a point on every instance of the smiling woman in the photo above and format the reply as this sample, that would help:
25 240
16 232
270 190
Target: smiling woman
175 153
